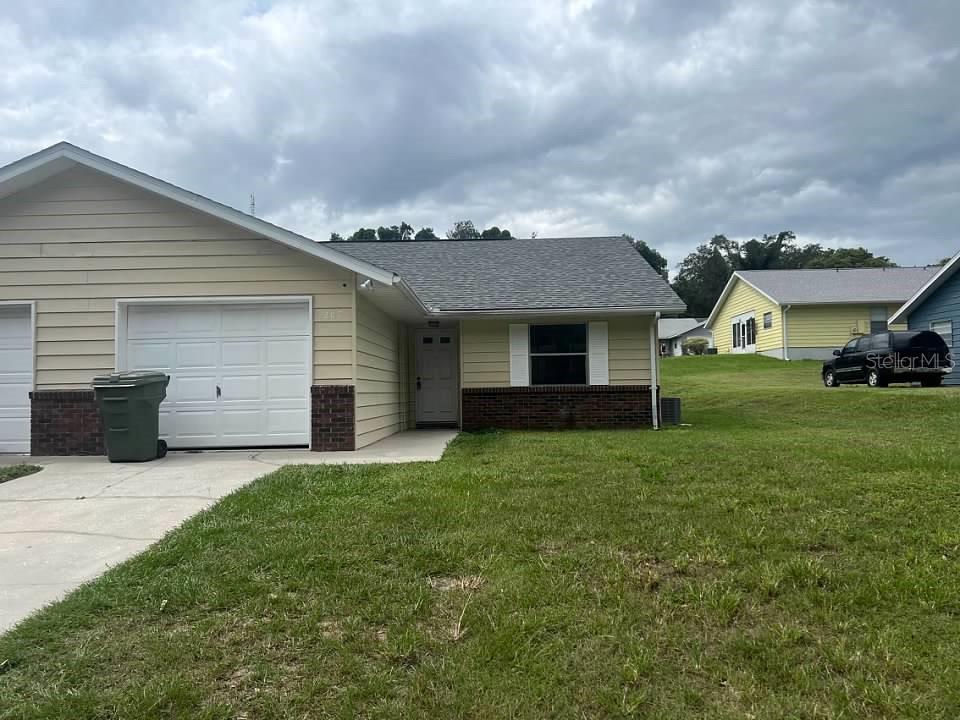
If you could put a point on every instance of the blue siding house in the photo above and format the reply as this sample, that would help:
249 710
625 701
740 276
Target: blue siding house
936 306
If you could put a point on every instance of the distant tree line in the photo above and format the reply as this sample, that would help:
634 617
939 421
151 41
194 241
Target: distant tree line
461 230
702 274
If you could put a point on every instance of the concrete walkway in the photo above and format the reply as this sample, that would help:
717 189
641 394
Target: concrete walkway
79 516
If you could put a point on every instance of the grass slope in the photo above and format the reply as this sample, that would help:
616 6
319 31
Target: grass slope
794 553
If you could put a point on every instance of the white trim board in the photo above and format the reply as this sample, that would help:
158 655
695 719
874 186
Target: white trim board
726 291
42 165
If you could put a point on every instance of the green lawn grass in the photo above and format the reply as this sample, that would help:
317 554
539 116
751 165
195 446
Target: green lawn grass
793 553
12 472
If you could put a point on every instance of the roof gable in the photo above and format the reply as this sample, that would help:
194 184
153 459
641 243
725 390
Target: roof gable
525 275
927 289
55 159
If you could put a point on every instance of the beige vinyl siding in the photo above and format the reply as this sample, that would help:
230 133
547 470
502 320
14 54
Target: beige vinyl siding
80 240
744 298
629 350
486 350
830 326
381 367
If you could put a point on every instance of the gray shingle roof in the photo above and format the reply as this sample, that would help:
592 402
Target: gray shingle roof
520 274
671 327
840 285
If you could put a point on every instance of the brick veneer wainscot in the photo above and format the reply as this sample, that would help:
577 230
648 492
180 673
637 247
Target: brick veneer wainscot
65 422
557 407
332 417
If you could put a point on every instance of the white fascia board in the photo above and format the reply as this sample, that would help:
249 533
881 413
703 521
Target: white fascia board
544 312
65 151
726 291
926 290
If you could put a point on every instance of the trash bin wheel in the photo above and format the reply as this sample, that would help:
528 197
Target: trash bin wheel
161 448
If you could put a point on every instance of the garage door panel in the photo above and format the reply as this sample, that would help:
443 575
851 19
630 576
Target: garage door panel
285 387
196 424
196 322
146 355
14 358
244 320
193 355
259 356
246 423
192 389
287 352
16 378
284 422
242 388
240 353
14 394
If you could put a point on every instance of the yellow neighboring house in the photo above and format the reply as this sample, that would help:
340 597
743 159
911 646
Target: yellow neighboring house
806 314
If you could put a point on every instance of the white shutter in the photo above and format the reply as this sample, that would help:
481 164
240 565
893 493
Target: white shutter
597 347
519 354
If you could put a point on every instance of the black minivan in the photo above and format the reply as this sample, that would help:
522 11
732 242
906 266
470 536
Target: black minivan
890 357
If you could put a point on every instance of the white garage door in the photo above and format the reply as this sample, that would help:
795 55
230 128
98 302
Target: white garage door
16 378
239 373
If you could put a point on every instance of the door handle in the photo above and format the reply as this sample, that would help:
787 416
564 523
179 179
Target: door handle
218 391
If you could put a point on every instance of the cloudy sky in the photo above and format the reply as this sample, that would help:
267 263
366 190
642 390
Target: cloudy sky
671 121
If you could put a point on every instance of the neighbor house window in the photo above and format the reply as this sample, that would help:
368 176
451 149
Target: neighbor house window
944 328
767 320
878 320
558 354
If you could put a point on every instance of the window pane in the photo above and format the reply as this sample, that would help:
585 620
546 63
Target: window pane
558 370
427 340
878 326
768 320
558 338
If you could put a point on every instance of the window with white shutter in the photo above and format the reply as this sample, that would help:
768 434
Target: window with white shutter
598 364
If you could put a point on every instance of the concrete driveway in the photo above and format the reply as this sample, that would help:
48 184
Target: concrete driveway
79 516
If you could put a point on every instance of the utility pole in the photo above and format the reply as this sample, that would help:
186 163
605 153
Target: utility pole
253 205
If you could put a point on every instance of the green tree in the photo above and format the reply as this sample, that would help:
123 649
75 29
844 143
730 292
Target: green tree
363 235
702 275
336 237
425 233
847 258
388 234
463 230
704 272
495 233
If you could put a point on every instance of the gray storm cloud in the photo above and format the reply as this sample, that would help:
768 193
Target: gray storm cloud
838 120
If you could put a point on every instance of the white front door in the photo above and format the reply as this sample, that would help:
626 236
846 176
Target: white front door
436 384
744 329
16 378
239 373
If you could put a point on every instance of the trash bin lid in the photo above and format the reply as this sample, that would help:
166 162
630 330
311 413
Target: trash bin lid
129 379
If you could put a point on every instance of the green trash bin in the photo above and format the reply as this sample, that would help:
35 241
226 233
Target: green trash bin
129 404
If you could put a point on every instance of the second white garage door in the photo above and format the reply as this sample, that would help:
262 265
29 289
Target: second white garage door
240 373
16 378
